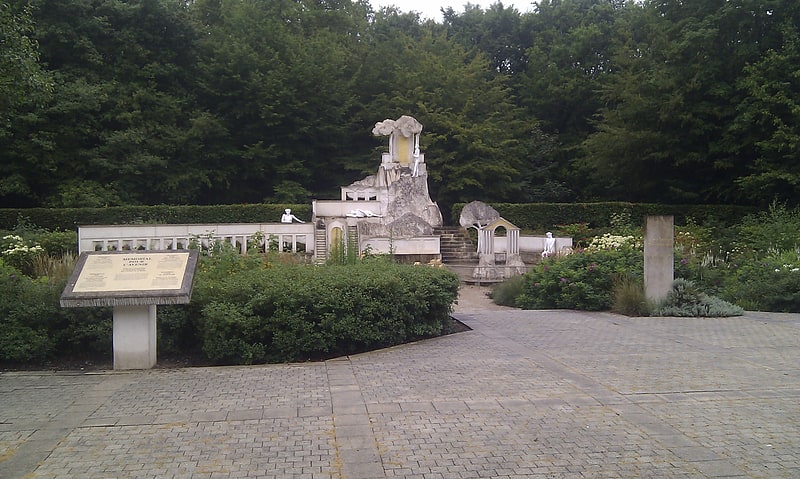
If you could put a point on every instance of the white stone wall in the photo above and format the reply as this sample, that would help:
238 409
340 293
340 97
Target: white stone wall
531 244
294 236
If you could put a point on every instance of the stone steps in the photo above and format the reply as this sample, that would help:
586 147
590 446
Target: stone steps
455 245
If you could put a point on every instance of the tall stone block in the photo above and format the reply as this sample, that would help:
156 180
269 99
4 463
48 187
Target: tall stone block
659 238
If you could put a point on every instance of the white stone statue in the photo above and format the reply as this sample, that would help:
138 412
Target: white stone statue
288 217
359 213
549 245
403 136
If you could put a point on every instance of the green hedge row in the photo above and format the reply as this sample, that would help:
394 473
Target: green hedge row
529 216
547 216
66 219
244 311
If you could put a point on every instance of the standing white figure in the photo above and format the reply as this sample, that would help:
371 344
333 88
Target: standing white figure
288 217
549 245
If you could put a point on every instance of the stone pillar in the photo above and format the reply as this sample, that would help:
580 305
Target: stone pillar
512 248
658 257
485 241
134 337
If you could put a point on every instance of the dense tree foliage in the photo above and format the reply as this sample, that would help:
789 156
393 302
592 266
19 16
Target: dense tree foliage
111 102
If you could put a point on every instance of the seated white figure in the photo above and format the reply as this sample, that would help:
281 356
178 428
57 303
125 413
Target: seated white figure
549 245
288 217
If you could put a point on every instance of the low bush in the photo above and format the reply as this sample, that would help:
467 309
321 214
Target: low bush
507 292
629 297
581 280
767 283
252 311
686 300
34 328
776 229
19 252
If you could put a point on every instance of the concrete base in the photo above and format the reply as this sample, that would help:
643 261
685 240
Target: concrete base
134 337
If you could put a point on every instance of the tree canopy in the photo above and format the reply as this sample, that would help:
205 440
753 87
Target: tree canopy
111 102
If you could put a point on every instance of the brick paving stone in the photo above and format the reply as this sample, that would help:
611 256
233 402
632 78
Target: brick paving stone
525 394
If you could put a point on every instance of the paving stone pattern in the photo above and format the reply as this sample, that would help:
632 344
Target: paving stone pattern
525 394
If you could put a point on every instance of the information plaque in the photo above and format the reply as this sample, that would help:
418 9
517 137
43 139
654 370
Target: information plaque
129 278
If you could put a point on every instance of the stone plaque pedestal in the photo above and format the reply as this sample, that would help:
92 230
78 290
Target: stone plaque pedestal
134 337
133 283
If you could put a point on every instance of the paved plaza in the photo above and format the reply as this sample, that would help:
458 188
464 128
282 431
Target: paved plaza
525 394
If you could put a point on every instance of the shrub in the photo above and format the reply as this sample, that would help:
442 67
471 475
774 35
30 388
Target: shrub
686 300
773 230
34 328
19 253
581 280
57 243
579 232
770 283
629 297
25 307
507 292
251 311
610 241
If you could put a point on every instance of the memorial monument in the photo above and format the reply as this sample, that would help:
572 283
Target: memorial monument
390 211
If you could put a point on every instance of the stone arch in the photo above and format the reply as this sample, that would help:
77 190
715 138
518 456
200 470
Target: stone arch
512 236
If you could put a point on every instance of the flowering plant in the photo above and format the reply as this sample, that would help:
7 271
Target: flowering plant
19 253
609 241
770 283
582 280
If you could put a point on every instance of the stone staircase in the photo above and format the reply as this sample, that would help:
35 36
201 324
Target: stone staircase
456 245
320 246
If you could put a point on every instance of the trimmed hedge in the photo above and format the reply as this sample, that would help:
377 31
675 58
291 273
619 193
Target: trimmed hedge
548 216
246 311
529 216
67 219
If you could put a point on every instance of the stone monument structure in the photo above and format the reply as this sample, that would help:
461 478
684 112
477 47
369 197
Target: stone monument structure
390 211
492 265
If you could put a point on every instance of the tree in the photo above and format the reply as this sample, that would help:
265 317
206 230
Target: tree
663 133
120 107
769 117
24 85
278 75
476 141
568 52
496 32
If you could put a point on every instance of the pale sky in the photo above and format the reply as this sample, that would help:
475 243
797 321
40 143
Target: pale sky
431 8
